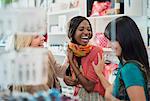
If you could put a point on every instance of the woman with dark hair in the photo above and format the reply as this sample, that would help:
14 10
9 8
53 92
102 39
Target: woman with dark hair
131 79
81 54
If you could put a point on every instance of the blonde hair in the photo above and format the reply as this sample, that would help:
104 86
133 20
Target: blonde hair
23 40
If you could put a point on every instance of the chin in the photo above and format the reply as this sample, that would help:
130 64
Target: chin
117 54
84 44
41 46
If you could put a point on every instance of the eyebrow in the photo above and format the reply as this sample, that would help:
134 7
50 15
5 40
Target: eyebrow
84 27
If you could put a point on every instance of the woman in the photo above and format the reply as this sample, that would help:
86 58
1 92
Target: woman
130 49
23 40
80 72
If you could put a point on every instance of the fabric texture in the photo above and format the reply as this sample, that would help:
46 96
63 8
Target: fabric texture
88 70
93 96
80 50
131 75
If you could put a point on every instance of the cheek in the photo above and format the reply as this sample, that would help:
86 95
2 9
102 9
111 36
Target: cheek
77 36
34 42
117 49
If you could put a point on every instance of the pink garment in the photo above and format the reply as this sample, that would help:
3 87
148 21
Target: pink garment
109 69
88 69
100 40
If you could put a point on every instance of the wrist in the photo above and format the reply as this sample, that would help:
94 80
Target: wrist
100 75
78 74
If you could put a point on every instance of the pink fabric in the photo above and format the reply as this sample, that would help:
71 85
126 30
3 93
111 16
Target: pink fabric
100 40
109 69
88 69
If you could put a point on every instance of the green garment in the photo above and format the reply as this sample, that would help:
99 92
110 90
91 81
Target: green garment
132 76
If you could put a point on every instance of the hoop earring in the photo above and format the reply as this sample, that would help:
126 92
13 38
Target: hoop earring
71 39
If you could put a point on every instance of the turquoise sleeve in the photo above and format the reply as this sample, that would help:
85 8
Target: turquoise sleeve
132 76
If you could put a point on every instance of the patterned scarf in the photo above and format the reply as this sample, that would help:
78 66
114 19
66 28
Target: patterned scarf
79 50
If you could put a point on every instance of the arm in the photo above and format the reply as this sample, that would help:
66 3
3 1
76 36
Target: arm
59 69
87 84
108 94
98 68
134 82
136 93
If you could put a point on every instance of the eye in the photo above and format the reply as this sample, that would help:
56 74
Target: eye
36 36
81 29
89 29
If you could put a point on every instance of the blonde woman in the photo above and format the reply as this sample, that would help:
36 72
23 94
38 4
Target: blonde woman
54 69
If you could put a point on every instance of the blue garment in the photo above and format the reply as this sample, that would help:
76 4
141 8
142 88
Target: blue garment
131 76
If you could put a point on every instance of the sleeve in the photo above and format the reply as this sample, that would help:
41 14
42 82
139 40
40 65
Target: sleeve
59 69
132 76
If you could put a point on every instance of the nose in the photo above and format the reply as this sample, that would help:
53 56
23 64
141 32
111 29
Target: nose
42 38
86 32
109 45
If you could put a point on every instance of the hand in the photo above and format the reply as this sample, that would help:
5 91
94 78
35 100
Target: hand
72 60
100 65
68 80
69 54
65 62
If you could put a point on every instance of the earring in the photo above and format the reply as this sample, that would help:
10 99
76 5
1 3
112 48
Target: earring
71 39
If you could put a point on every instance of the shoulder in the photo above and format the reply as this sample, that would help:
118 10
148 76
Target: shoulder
130 67
132 75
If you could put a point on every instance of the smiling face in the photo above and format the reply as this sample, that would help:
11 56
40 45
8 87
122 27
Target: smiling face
38 41
83 33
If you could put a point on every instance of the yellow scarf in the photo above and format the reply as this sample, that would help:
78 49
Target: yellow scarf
80 50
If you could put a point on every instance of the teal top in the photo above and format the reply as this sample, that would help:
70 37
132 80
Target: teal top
131 76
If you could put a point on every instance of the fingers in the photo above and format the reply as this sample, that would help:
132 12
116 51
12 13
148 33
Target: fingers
99 57
75 62
68 80
102 58
93 64
99 60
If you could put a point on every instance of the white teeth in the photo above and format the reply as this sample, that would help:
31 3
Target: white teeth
85 37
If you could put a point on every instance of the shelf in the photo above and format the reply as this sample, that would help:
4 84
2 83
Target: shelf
106 16
57 33
64 11
2 45
107 50
148 12
62 55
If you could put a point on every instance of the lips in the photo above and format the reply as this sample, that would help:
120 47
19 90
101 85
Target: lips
85 39
41 45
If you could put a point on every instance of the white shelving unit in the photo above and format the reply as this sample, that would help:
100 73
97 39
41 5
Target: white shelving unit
63 11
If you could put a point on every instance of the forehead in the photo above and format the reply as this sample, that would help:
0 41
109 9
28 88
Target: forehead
84 23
